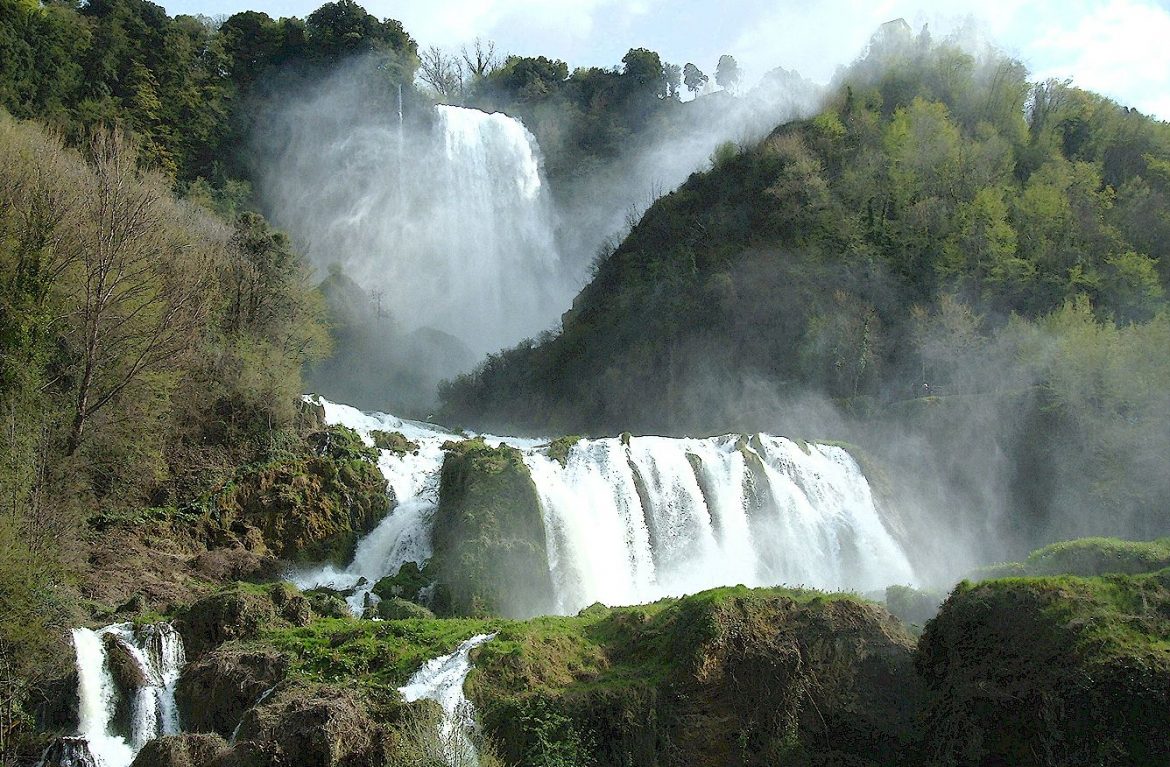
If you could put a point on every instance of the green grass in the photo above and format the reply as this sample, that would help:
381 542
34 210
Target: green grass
1087 557
374 655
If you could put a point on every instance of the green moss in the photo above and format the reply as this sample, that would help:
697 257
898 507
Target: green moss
489 545
1087 557
559 449
395 609
311 507
1059 664
393 441
406 583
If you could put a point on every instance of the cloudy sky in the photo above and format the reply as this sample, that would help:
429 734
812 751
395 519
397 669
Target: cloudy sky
1120 47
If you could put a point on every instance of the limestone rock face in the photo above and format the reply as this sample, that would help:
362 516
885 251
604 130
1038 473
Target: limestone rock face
215 691
308 726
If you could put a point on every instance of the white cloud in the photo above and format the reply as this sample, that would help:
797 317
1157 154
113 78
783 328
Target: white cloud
1121 49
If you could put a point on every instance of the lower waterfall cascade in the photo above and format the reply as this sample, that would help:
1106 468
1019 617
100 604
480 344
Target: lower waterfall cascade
441 680
634 519
157 654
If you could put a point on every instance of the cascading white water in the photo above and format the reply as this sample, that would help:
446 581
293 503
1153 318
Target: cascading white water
631 523
97 696
658 517
405 534
441 680
157 651
452 224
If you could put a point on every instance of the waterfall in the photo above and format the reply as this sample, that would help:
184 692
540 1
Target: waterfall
156 652
451 222
441 680
632 521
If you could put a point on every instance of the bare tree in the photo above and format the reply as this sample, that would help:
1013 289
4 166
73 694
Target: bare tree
482 59
139 291
443 72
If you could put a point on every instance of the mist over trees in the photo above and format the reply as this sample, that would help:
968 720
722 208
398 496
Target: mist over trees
943 232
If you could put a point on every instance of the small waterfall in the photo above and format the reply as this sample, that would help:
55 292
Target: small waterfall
260 699
441 680
158 657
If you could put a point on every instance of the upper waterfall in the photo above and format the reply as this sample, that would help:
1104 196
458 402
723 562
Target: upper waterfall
448 221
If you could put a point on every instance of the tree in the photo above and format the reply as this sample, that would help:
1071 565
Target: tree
443 72
727 73
694 78
672 77
481 60
342 29
136 292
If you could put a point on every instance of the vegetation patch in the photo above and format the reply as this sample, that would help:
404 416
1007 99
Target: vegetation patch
1087 556
489 545
1068 666
393 441
310 507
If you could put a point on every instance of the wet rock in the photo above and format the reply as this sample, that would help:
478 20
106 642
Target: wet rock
68 752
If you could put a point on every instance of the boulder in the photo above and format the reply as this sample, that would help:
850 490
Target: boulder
241 611
309 726
489 543
399 609
186 750
215 691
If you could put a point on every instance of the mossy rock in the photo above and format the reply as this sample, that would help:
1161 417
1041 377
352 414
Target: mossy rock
310 725
310 508
127 674
395 609
1086 557
393 441
241 611
191 749
1070 666
729 676
214 691
559 449
406 583
328 603
489 544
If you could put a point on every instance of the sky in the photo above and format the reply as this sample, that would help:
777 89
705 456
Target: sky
1118 47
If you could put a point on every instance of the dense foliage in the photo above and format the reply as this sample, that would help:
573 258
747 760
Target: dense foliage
187 88
146 348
